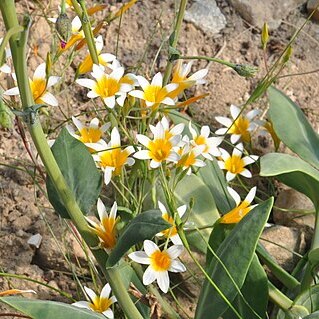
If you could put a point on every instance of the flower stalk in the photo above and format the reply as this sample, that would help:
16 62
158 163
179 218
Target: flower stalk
174 38
18 43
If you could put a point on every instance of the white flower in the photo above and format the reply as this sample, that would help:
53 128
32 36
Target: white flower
242 207
107 86
111 157
39 85
180 74
239 127
188 156
172 231
106 228
203 138
234 164
154 93
161 148
100 304
91 134
105 59
160 262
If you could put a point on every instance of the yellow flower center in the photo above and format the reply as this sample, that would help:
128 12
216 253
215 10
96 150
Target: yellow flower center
38 88
240 127
106 87
160 260
114 158
90 135
159 149
201 140
169 232
107 233
100 304
187 160
127 80
234 164
236 214
155 94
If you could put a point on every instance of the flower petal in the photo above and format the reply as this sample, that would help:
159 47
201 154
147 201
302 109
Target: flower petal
163 280
48 98
149 276
157 80
251 195
150 247
177 266
39 72
246 173
88 83
13 91
175 251
234 195
53 80
105 293
234 111
140 257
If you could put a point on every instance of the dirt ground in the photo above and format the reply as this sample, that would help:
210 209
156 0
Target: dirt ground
24 209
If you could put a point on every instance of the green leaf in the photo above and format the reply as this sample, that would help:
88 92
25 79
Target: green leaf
204 212
294 172
255 284
314 315
313 257
143 226
44 309
309 299
236 254
292 127
255 292
80 173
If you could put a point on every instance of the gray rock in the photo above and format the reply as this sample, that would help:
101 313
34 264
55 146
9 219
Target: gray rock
207 16
256 12
292 200
281 241
311 6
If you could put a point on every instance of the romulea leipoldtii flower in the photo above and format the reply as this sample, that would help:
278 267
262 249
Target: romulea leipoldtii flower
171 232
235 164
210 143
111 157
98 303
162 147
91 134
39 85
105 59
239 127
154 93
242 207
180 73
160 263
188 156
107 86
105 229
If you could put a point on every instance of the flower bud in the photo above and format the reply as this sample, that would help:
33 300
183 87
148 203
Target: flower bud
63 27
264 36
247 71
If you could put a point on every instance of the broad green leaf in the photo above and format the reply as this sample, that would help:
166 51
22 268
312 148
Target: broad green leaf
313 257
255 292
292 127
214 178
143 226
80 173
204 212
44 309
294 172
236 254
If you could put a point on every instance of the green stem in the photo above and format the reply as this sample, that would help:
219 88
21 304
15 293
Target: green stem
207 58
174 38
87 29
18 49
308 277
289 281
279 298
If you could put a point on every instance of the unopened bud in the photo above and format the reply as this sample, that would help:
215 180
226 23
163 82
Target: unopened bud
247 71
287 55
63 27
264 36
48 65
